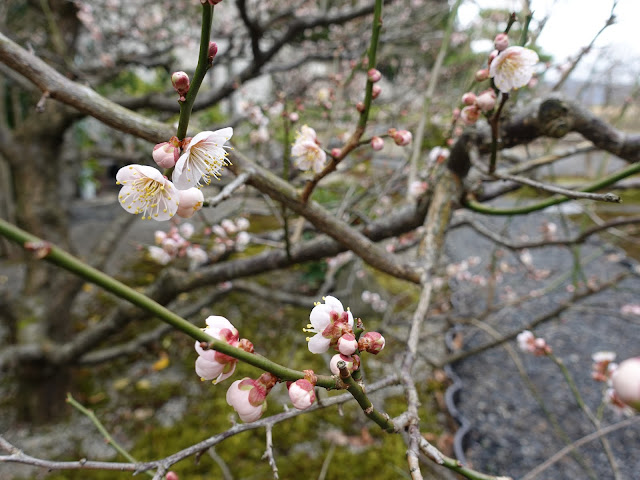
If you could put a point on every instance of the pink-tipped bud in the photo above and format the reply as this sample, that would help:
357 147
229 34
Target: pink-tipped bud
181 83
376 91
372 342
469 98
347 344
210 2
165 154
353 363
402 137
213 51
294 117
360 107
302 394
626 382
377 143
374 75
469 115
171 476
248 398
486 101
190 202
336 152
455 114
501 42
482 75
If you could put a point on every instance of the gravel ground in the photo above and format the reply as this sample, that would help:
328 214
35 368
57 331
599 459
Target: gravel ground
511 431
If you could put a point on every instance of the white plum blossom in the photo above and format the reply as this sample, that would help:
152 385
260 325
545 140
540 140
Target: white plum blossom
306 152
187 230
513 68
158 255
328 322
213 365
204 157
145 190
197 256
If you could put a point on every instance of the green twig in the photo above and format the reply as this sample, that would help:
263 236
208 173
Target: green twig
110 440
555 200
201 70
59 257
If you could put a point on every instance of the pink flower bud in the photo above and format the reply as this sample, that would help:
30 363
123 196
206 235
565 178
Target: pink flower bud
213 51
210 2
360 107
191 201
347 344
402 137
377 143
352 363
165 154
248 398
171 476
374 75
470 114
181 83
376 91
336 152
482 75
469 98
626 382
302 394
294 117
455 113
486 101
371 342
501 42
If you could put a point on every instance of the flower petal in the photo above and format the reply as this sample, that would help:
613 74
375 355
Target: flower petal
319 344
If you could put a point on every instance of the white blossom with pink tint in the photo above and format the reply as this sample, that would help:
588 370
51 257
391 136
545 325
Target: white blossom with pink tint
625 381
213 365
302 394
158 255
203 158
197 256
242 223
417 188
630 309
186 230
513 68
248 399
191 200
306 153
328 322
528 342
145 190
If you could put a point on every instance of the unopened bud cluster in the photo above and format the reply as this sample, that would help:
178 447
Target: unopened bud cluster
333 328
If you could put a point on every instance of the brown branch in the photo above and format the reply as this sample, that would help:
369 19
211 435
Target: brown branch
552 117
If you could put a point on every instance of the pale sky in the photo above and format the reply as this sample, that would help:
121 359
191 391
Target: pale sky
572 25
